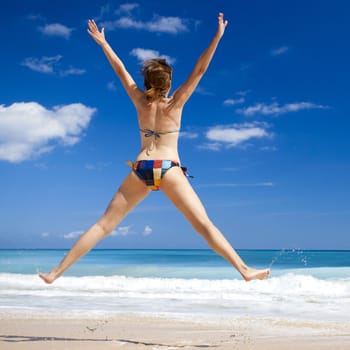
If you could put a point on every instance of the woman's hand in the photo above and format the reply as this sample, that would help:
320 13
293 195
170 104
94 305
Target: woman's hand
98 36
221 25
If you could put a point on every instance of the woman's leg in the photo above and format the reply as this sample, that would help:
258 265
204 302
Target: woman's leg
130 193
177 188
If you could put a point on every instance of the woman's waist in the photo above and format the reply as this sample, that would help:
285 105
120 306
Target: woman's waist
158 154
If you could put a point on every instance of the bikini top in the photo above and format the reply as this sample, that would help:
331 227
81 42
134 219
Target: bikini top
155 133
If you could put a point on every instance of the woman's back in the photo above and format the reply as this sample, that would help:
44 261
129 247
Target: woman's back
159 124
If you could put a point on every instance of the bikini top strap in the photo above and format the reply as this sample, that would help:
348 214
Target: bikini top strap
156 134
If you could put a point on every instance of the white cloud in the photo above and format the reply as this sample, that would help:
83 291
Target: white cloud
127 8
108 9
124 22
98 166
144 54
279 51
234 135
72 71
43 65
269 148
231 102
147 231
104 11
203 91
211 146
48 65
45 234
73 234
188 135
56 29
35 17
162 24
111 86
122 231
276 109
159 24
27 129
243 92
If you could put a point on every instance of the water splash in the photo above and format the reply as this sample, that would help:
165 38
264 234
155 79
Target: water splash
275 258
297 253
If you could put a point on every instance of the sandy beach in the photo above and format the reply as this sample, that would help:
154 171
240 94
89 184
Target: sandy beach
132 331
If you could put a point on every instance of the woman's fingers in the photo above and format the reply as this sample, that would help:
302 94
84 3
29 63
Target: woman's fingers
92 25
221 19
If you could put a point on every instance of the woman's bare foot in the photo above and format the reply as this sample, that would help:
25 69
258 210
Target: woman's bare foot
48 277
250 274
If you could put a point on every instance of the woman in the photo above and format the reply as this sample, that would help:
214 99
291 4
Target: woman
157 166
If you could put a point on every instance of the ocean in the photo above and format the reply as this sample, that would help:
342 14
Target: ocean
304 284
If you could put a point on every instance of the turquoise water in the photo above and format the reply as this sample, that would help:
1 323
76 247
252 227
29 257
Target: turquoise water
176 263
303 284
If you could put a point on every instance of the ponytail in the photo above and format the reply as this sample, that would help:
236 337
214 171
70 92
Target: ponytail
157 78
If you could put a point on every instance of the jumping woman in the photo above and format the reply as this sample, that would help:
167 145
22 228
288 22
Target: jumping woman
157 166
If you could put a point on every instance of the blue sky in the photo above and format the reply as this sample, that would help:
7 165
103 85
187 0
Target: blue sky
265 134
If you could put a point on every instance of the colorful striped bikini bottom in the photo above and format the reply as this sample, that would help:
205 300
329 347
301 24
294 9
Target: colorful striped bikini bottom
152 171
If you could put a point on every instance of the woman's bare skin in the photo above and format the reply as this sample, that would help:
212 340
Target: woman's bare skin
162 114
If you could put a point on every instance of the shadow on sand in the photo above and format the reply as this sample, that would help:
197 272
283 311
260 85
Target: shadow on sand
23 339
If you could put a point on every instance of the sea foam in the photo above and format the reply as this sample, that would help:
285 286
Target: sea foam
287 295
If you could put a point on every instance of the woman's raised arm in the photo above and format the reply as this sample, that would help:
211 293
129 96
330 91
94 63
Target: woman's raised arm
126 79
182 94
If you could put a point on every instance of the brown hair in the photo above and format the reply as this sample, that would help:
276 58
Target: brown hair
157 77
